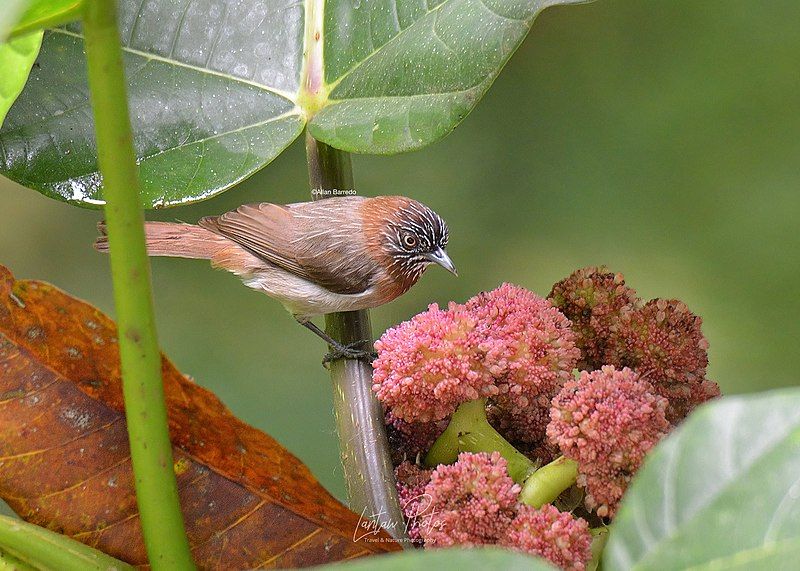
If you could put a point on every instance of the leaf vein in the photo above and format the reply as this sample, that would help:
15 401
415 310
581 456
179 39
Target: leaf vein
76 485
466 90
789 498
331 86
135 23
711 497
292 546
294 112
292 97
219 34
178 29
60 444
222 532
135 514
31 393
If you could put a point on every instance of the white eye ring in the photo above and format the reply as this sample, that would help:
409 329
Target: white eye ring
409 240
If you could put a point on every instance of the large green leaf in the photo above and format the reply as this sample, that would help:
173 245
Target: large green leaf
404 73
485 559
219 88
208 85
723 492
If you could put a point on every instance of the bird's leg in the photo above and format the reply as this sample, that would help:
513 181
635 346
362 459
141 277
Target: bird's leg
349 351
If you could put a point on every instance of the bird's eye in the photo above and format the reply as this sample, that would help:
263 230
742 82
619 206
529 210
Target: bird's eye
409 241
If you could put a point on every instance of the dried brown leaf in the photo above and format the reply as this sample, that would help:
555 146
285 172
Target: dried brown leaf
65 463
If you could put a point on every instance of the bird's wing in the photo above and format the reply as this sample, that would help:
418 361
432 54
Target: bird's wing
319 243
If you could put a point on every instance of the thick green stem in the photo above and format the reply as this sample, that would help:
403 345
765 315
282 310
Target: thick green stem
469 431
26 546
360 423
548 482
146 413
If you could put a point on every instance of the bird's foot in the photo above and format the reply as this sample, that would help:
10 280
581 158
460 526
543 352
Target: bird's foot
350 351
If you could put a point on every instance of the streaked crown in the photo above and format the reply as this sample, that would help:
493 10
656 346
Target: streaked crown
413 236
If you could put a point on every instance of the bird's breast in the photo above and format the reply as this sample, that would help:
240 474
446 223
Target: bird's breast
305 298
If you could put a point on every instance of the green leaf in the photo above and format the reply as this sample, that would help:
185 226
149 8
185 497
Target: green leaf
722 492
10 15
403 73
16 59
218 88
41 548
211 88
485 559
20 40
43 14
202 120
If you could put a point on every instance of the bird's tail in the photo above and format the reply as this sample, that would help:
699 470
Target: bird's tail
173 239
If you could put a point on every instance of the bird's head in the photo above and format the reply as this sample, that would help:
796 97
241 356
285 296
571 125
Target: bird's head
411 236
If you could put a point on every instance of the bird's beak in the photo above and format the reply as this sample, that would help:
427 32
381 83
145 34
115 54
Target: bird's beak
440 257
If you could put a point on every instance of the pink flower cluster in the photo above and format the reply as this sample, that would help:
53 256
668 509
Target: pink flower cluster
593 299
661 339
557 536
607 421
429 365
527 344
530 350
474 502
508 344
643 370
664 343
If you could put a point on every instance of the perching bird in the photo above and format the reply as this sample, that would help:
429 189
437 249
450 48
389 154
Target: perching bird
338 254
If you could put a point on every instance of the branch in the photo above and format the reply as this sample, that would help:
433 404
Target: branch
145 410
359 417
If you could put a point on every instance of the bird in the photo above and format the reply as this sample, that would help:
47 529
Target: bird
343 253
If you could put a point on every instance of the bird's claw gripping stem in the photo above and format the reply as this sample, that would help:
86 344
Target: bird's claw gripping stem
350 351
340 351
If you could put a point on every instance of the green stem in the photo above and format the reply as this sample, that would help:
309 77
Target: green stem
363 445
599 540
469 431
26 546
10 563
548 482
146 413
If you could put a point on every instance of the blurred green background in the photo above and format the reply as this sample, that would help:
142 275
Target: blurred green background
660 138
